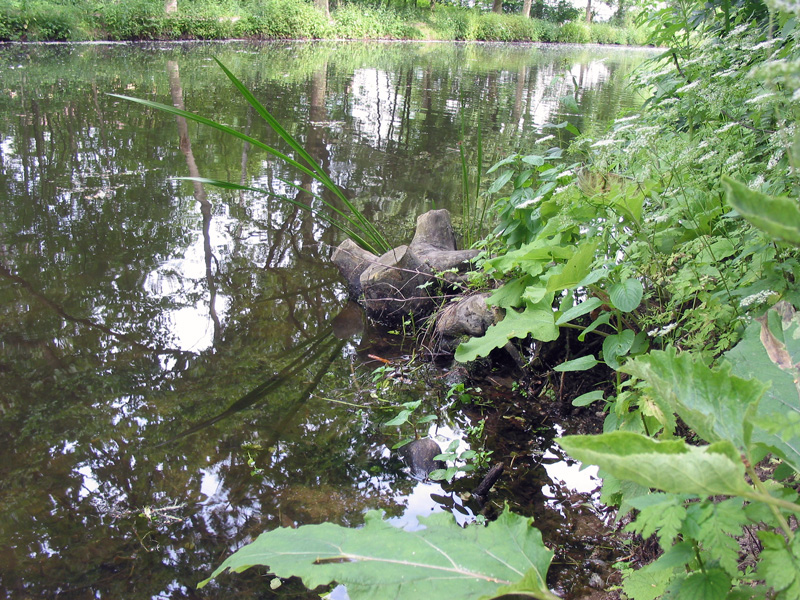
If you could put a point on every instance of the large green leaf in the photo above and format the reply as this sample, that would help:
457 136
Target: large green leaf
714 403
776 215
626 295
769 351
539 323
671 466
576 268
617 345
382 561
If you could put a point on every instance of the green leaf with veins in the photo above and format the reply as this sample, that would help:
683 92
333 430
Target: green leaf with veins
714 403
382 561
539 323
671 466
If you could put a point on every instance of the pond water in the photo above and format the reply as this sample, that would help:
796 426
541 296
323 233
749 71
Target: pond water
180 368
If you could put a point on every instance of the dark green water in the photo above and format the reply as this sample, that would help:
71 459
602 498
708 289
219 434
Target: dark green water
169 354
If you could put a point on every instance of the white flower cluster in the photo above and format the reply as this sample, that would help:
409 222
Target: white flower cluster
734 159
756 183
706 157
788 6
601 143
759 98
662 331
726 127
758 298
688 86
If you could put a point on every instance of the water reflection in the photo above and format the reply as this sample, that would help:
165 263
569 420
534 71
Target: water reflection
170 352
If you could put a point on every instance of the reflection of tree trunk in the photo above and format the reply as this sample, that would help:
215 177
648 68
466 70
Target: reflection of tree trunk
516 113
316 147
199 191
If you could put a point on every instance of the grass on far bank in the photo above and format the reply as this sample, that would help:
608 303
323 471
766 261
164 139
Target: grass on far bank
81 20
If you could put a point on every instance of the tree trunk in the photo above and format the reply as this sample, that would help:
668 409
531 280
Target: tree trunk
171 7
497 6
588 12
526 8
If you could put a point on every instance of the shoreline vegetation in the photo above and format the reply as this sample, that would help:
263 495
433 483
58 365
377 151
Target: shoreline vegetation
150 20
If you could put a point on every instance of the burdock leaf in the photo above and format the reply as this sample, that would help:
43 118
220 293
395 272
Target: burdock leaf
382 561
535 322
671 466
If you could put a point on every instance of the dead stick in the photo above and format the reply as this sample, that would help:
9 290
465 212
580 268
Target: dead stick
491 477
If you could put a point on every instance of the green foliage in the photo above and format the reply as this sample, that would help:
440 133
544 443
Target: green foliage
270 19
724 411
442 559
575 32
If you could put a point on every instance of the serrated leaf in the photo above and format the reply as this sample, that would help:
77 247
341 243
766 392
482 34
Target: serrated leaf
646 583
661 513
626 295
671 466
714 403
716 525
381 561
711 584
778 216
779 565
538 323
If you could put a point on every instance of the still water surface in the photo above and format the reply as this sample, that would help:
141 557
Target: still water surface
175 357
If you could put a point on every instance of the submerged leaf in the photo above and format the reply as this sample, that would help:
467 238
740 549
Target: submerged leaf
382 561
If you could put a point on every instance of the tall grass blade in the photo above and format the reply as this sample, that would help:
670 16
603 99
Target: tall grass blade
319 173
353 234
360 229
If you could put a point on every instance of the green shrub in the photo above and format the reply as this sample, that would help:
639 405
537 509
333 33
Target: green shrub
359 22
456 24
132 20
604 33
546 31
13 24
574 32
284 19
493 27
